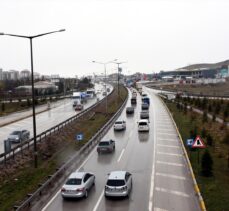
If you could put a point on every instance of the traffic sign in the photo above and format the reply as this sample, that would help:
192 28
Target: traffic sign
79 136
189 142
198 143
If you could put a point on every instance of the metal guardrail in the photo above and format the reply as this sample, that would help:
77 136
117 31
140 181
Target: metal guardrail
19 148
75 159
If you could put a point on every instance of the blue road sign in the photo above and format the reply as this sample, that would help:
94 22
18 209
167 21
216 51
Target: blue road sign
79 136
189 142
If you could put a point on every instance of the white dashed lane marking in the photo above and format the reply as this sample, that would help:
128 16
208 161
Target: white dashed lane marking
172 154
170 176
171 146
178 193
170 164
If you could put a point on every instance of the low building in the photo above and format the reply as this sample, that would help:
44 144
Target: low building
41 88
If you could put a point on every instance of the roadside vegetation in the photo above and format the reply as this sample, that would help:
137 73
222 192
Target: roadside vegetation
215 107
13 101
217 90
19 177
20 105
212 171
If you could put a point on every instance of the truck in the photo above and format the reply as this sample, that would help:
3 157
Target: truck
106 146
90 93
139 87
79 98
18 136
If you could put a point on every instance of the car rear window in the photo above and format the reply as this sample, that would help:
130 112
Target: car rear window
74 181
118 122
142 123
115 182
104 143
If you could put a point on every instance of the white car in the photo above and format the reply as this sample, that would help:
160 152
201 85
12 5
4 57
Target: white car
120 125
143 125
119 184
77 185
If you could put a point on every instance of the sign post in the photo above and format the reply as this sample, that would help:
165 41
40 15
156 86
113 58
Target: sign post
189 143
199 144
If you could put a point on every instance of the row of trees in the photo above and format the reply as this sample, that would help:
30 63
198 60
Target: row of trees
215 107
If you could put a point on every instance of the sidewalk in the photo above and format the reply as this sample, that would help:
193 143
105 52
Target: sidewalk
17 116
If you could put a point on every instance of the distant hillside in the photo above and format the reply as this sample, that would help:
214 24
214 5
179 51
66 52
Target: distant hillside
207 65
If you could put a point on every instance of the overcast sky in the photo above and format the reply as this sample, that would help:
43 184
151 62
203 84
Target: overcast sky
151 35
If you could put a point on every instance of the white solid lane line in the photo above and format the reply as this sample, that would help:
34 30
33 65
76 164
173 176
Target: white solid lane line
99 200
58 192
120 156
153 165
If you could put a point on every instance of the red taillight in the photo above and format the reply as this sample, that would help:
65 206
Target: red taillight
63 190
80 189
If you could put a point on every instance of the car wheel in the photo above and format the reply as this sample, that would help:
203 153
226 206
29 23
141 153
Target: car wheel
86 194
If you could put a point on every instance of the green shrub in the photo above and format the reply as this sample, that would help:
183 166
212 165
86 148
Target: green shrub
206 164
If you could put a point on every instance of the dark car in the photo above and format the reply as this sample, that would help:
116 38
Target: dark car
145 106
144 114
133 100
130 110
106 146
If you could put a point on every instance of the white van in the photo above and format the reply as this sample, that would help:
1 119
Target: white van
143 125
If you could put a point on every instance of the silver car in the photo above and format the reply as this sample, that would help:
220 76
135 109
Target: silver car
119 184
120 125
77 185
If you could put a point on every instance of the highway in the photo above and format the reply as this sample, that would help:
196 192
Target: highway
46 119
161 179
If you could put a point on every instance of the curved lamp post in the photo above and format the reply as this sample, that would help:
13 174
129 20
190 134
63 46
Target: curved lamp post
32 79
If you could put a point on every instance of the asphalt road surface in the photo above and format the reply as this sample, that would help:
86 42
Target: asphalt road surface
161 179
46 119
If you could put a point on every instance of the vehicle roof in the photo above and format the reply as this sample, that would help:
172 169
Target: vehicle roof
105 140
78 175
144 120
117 175
120 120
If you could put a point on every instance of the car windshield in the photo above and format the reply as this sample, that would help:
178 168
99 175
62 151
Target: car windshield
73 181
104 143
15 133
142 123
115 182
118 122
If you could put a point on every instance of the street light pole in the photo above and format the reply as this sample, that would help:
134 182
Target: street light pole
105 72
33 90
118 63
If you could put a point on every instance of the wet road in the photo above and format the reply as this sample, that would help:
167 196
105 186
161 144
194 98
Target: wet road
46 119
161 180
